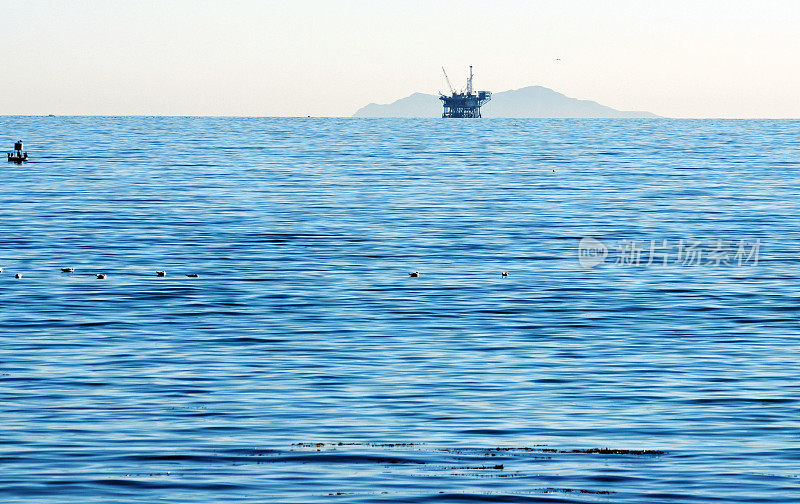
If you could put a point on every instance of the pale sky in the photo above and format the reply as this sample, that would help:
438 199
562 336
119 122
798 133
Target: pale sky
677 58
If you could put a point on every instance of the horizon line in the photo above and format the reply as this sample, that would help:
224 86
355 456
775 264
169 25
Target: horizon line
425 118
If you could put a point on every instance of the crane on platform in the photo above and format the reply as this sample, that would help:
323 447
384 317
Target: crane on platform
448 81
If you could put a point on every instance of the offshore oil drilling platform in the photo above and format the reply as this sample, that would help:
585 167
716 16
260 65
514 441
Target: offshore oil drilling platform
465 103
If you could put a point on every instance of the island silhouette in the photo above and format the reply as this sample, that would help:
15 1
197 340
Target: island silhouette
527 102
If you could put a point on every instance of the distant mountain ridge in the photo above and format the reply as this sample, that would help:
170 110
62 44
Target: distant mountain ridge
527 102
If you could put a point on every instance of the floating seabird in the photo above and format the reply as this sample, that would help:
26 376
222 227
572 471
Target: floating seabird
415 274
505 274
101 276
193 275
1 270
18 275
67 270
161 273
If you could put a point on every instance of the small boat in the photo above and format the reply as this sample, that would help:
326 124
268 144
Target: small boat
17 156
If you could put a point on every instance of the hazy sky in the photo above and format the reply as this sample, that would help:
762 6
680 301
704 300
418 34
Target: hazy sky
678 58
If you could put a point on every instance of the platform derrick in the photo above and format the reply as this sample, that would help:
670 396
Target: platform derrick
466 103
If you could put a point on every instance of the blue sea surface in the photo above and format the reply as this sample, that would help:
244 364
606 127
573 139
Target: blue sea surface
305 365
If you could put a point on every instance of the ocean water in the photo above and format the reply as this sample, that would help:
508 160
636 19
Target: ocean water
304 364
